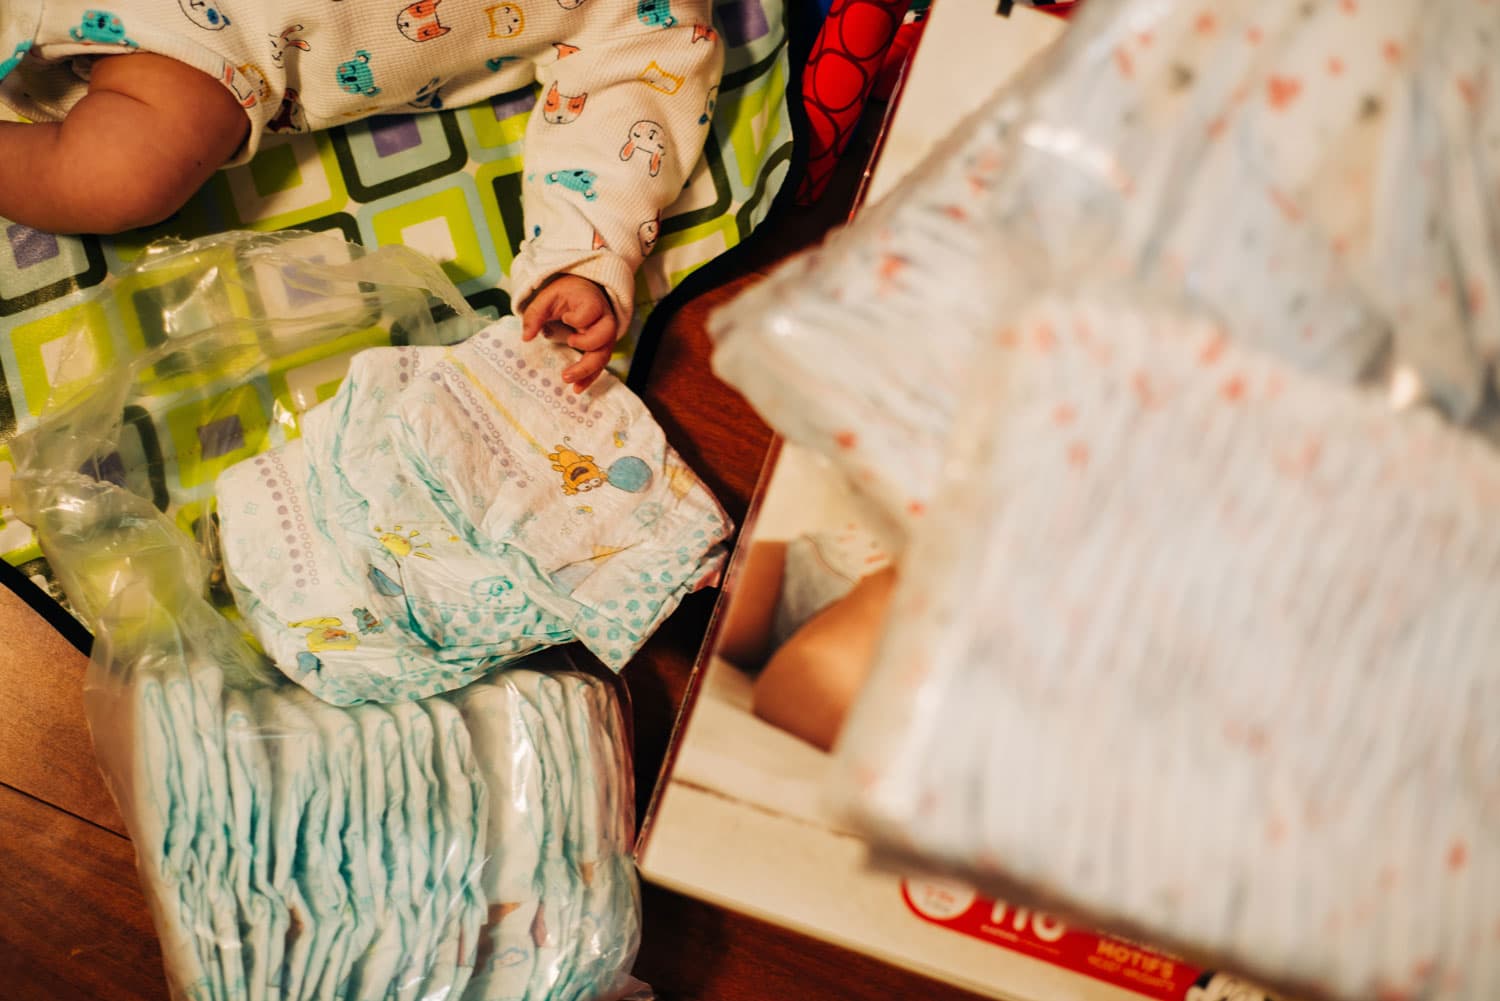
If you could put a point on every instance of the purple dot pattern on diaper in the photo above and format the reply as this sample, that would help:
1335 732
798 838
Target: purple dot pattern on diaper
537 383
276 482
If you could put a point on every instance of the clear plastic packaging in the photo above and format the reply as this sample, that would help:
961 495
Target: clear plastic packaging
1321 177
471 845
1204 653
474 845
1178 365
853 348
200 355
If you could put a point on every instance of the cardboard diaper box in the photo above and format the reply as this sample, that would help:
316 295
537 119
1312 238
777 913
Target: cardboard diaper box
739 819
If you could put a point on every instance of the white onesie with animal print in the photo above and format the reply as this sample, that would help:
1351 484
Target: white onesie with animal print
627 91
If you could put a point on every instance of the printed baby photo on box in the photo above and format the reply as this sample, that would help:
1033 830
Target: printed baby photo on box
806 611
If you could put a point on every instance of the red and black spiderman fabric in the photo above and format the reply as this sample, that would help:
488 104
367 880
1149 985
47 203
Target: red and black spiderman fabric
843 67
846 57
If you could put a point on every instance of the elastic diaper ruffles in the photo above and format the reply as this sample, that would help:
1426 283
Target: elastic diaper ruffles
293 849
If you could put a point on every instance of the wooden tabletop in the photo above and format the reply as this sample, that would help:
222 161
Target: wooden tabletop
73 922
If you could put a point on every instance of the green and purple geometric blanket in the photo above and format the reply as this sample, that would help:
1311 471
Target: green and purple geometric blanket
447 183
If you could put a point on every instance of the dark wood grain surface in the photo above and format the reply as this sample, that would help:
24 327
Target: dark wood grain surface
42 723
73 923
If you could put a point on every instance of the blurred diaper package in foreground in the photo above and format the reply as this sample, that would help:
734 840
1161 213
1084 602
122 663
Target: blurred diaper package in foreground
1176 368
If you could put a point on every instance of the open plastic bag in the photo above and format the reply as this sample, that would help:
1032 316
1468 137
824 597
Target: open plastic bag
475 845
201 355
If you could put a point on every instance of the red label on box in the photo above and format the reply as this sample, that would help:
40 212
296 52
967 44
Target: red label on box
1149 973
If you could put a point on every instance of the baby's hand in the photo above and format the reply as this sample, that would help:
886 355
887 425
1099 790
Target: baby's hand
577 309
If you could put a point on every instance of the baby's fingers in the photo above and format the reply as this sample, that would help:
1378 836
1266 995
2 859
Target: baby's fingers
542 310
600 334
533 319
585 370
584 307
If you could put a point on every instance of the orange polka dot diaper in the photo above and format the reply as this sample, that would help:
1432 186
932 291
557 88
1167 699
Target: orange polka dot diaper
1177 363
1205 649
1323 176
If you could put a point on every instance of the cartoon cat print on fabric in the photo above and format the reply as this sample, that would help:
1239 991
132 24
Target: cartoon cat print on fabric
649 231
428 96
289 116
356 77
561 109
15 58
581 181
709 103
506 20
655 13
419 21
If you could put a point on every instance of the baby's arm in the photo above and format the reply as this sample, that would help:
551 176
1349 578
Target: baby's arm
147 135
619 128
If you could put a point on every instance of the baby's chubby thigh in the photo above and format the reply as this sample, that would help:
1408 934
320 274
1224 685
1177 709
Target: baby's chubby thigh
809 684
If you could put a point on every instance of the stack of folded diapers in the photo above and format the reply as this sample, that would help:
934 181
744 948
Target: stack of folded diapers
398 817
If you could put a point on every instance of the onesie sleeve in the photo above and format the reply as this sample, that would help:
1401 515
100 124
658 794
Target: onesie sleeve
620 123
18 25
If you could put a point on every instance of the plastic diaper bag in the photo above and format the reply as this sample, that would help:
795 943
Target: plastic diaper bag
1324 174
1195 632
473 845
